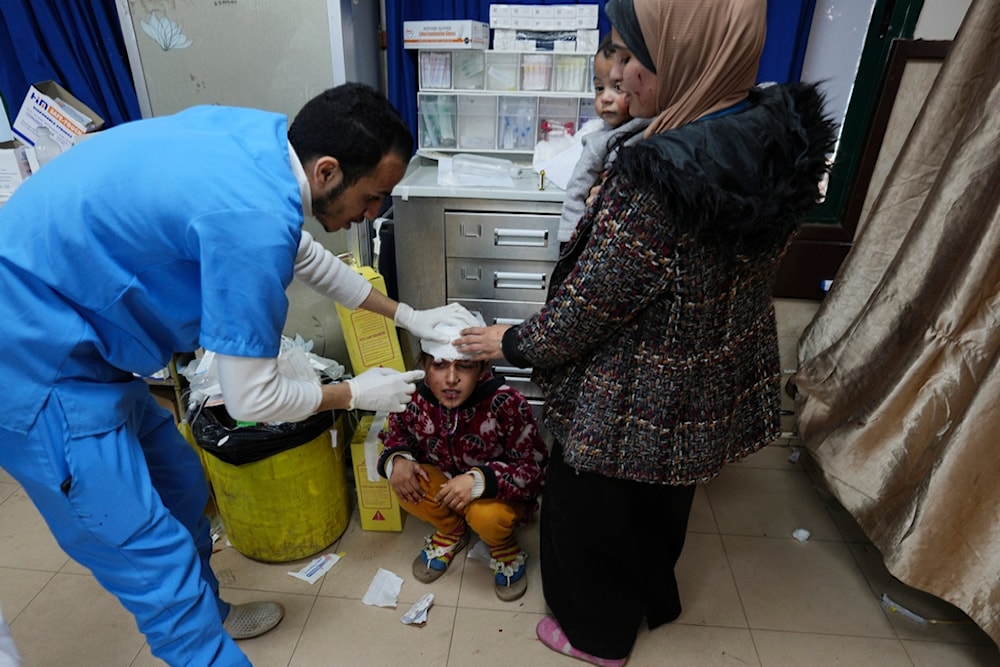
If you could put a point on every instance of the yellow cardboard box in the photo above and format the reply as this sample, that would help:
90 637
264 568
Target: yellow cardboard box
371 338
378 506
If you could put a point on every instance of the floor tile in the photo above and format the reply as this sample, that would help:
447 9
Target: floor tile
25 540
812 586
7 489
768 503
708 591
365 552
234 570
779 649
478 591
774 457
937 654
680 645
848 526
347 633
792 316
492 638
73 621
751 594
702 520
19 587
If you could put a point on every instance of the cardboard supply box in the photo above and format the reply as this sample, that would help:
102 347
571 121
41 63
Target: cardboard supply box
14 168
49 104
544 17
378 506
6 134
446 35
371 338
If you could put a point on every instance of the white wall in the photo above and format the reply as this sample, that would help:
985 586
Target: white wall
837 37
940 19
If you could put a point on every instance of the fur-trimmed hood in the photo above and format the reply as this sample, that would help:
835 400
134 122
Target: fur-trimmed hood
745 180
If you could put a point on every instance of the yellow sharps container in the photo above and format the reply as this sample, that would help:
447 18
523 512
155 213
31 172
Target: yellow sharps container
286 506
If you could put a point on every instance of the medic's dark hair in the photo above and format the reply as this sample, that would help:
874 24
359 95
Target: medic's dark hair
354 123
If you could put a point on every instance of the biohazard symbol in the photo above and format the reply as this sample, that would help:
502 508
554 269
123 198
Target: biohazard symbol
378 516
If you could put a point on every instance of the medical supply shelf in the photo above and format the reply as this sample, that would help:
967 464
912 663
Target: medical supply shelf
501 101
490 248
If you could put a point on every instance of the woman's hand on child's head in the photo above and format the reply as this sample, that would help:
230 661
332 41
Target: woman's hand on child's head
406 480
482 343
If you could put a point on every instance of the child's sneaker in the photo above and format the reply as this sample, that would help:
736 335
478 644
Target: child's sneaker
434 559
507 562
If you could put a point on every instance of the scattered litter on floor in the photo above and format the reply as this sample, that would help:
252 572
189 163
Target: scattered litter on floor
794 456
384 589
317 568
892 606
479 551
801 534
417 614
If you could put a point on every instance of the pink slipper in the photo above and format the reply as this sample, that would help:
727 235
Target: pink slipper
552 635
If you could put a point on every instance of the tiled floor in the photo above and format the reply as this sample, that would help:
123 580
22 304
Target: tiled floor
753 595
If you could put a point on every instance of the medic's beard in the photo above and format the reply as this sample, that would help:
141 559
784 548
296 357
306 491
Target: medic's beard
326 205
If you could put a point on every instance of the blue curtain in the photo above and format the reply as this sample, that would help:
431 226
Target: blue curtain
788 31
788 24
76 43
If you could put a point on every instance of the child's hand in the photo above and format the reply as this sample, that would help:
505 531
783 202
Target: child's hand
456 493
406 480
595 189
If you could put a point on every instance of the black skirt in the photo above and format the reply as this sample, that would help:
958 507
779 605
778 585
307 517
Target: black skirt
608 551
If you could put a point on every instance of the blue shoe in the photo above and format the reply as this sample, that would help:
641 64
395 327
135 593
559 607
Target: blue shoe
509 580
433 560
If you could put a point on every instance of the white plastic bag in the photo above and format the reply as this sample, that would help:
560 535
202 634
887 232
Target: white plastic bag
9 657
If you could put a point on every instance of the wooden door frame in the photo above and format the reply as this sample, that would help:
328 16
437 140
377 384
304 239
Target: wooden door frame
825 238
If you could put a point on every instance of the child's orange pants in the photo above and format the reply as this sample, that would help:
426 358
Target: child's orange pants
493 520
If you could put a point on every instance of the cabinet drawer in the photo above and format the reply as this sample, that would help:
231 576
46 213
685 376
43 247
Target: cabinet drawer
501 236
520 379
497 279
508 312
501 312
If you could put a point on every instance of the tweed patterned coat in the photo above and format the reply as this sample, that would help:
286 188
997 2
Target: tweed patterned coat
657 349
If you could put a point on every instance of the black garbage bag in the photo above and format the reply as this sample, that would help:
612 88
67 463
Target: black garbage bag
217 433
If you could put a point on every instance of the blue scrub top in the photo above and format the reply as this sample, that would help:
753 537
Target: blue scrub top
153 237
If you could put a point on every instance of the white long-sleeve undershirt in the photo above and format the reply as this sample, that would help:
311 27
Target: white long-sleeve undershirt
252 387
255 391
322 271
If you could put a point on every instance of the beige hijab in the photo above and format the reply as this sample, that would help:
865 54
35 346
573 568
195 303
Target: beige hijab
706 54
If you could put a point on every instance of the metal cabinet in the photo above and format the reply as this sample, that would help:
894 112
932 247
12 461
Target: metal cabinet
491 249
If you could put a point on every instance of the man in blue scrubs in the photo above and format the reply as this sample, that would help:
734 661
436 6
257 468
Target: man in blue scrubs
156 237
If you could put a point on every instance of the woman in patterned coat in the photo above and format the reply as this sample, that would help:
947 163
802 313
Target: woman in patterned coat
657 348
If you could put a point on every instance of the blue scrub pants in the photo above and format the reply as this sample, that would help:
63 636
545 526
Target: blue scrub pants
129 505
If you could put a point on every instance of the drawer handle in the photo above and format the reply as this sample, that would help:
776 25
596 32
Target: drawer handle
514 371
537 238
509 280
475 274
513 321
470 230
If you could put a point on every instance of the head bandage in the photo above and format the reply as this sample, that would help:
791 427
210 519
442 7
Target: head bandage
452 329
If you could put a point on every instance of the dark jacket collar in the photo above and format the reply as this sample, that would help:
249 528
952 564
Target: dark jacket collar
743 180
